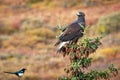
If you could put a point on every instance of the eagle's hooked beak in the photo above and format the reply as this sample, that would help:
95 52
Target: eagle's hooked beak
80 14
77 13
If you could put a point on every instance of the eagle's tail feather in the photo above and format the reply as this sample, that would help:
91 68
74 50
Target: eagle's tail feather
57 43
62 49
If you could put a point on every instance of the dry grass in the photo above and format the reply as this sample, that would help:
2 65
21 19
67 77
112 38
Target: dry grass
41 32
39 66
110 52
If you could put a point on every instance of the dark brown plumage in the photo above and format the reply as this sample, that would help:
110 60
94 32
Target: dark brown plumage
73 32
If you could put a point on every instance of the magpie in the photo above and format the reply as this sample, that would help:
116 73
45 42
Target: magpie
18 73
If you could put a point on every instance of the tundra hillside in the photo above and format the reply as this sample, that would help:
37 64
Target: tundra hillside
28 30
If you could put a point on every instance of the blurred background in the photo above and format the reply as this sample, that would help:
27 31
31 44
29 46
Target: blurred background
28 30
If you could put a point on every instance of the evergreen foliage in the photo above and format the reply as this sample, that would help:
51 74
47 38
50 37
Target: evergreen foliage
80 61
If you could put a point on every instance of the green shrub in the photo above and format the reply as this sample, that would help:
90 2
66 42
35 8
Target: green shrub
80 61
78 68
110 23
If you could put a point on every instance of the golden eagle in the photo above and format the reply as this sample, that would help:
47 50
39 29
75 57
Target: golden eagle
72 32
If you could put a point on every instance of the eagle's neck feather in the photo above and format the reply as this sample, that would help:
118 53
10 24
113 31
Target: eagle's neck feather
81 19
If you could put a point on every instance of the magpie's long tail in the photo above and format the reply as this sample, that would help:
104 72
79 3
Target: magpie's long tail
20 78
9 72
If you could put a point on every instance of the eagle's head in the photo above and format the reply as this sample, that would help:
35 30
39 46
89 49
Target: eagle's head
80 14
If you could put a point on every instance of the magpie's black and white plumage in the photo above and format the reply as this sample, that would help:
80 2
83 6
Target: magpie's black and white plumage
72 32
18 73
